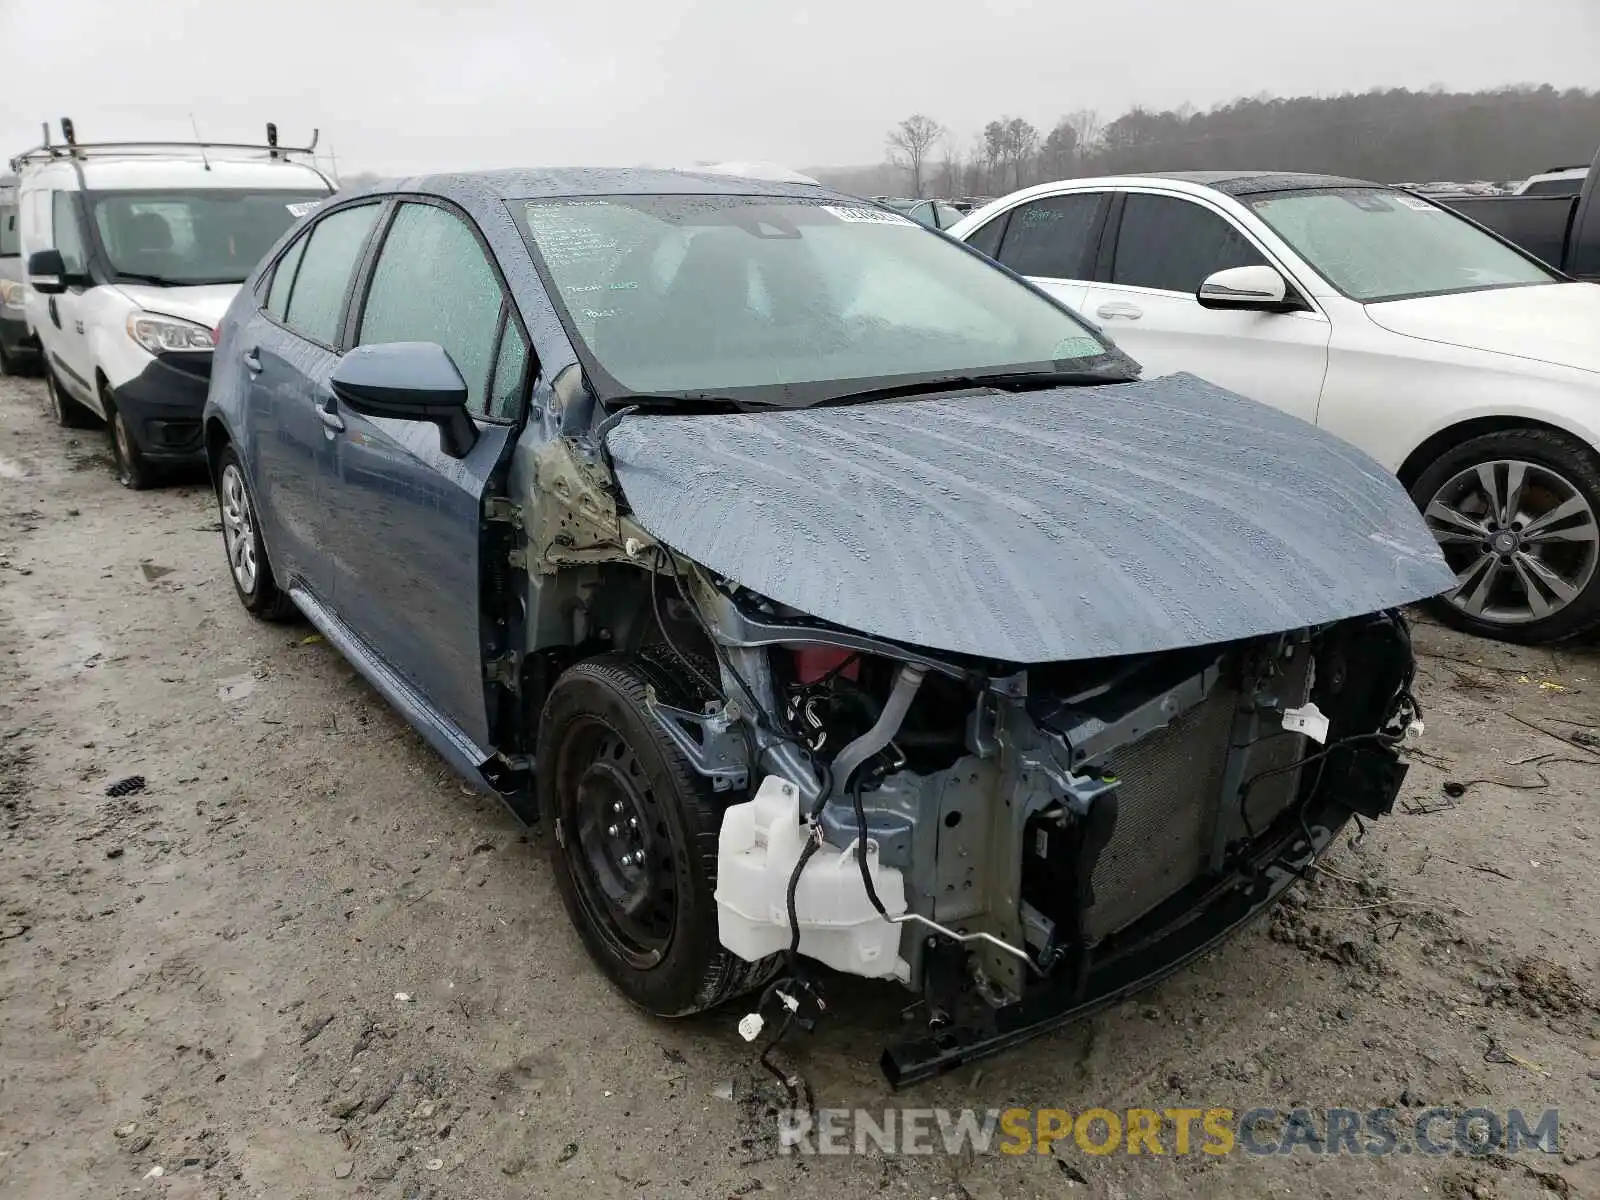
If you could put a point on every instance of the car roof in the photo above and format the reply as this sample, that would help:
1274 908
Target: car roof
1254 183
555 182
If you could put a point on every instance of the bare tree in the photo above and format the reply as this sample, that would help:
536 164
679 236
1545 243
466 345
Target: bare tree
1058 156
909 144
1021 140
1087 123
950 167
994 155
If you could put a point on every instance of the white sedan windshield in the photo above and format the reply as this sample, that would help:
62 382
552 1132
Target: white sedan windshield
1378 244
716 293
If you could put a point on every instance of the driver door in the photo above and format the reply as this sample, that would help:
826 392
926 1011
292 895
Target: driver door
66 339
405 519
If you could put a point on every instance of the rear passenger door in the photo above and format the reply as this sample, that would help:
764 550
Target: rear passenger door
1165 246
288 350
1054 241
406 518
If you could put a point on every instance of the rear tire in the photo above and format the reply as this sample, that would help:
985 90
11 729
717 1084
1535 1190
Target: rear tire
64 410
613 785
246 552
1517 514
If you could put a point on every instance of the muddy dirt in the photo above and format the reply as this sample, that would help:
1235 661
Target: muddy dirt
302 960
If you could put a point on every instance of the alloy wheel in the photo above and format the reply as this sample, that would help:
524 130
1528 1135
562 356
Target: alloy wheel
238 529
1521 538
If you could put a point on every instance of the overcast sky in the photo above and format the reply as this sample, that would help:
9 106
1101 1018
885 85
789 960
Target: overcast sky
404 85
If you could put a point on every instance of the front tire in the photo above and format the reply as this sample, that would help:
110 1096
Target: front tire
133 470
248 565
634 841
1517 515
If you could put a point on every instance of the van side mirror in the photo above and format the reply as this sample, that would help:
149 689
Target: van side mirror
47 273
1248 289
408 381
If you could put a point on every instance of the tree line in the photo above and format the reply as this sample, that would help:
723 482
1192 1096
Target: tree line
1390 135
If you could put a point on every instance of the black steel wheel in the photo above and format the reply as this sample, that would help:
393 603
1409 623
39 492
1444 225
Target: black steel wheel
633 840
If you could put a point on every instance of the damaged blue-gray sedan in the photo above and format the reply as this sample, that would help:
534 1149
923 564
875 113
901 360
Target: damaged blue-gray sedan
829 593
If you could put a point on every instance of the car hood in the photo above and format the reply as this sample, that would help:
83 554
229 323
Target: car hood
204 304
1042 526
1552 323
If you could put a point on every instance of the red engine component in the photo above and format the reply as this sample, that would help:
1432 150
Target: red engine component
811 663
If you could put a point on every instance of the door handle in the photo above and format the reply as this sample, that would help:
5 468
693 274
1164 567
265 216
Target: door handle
331 421
252 361
55 313
1118 308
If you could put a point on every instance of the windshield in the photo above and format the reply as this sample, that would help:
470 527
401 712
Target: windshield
788 301
194 237
1376 244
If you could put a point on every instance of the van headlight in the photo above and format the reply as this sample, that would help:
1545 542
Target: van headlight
160 335
12 292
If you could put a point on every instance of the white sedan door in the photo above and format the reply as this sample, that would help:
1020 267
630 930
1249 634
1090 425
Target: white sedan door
1165 246
1052 240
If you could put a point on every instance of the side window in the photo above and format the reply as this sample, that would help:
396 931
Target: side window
10 245
67 231
316 298
433 284
283 278
510 368
1055 237
1173 244
986 240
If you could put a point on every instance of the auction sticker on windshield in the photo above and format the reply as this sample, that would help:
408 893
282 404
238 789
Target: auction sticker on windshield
867 216
305 206
1419 205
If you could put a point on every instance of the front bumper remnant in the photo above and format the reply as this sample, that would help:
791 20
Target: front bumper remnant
1180 930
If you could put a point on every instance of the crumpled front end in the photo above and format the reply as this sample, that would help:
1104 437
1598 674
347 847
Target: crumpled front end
1042 841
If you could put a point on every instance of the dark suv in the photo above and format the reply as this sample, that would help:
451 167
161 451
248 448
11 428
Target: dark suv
832 593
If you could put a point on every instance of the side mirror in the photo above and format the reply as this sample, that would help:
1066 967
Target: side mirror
1247 289
47 273
408 381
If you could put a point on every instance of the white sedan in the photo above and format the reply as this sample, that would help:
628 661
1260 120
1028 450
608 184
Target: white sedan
1467 367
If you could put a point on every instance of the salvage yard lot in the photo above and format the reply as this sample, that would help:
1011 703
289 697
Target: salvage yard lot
303 961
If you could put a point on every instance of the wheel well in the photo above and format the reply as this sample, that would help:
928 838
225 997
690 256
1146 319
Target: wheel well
217 440
1419 459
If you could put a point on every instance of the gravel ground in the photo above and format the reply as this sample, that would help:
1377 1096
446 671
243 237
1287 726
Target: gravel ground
304 961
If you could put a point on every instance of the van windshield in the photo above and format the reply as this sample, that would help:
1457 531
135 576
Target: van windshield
186 238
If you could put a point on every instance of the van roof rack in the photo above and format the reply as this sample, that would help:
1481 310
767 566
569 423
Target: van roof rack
70 148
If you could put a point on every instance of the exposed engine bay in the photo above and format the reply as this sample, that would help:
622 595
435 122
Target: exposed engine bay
1021 844
1022 749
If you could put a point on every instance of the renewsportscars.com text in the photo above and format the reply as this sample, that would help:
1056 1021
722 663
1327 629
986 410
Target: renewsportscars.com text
1372 1132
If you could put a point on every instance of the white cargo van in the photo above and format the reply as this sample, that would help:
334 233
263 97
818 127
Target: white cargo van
133 252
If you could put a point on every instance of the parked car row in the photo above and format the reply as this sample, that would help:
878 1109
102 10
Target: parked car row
936 214
1556 218
830 591
1455 358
